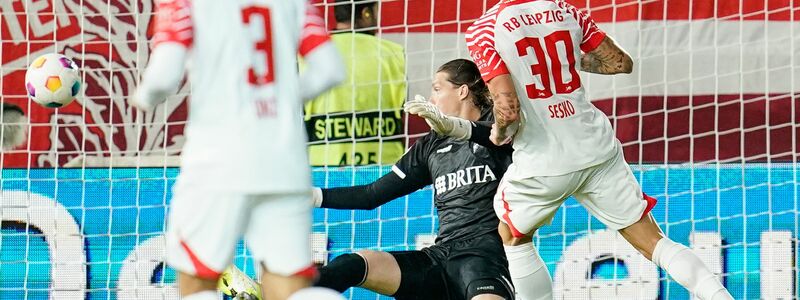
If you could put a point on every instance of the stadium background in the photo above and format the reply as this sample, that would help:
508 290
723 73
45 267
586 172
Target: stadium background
707 119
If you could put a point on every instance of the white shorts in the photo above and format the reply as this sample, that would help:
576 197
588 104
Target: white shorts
608 191
204 228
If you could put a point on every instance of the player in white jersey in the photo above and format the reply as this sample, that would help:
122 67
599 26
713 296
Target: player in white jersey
563 145
244 158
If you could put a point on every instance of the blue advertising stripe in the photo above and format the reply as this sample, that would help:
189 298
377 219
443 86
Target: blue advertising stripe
118 209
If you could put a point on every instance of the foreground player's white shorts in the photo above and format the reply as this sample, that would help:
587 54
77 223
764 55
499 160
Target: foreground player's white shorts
608 191
204 228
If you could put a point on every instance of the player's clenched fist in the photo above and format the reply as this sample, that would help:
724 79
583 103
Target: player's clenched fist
502 138
439 122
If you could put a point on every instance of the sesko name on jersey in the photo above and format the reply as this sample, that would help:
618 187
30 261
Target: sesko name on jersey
468 176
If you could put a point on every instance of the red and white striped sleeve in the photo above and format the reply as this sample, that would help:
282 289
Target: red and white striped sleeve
592 35
174 23
314 33
480 43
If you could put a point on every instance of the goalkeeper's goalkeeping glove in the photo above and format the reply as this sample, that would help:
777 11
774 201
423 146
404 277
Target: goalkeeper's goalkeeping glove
450 126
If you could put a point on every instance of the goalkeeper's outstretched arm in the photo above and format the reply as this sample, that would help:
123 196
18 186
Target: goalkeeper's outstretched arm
369 196
409 174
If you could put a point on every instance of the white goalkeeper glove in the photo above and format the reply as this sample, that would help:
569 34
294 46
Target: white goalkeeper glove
450 126
316 196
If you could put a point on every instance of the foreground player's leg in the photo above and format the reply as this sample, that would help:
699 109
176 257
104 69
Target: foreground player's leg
196 288
678 260
278 236
279 287
530 276
200 243
353 269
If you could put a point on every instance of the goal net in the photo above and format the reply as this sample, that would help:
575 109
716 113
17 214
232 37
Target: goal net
707 121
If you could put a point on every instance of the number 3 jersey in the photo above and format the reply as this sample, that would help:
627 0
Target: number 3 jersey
245 132
539 42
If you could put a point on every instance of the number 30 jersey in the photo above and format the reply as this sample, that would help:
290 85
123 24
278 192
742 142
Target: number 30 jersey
245 132
539 42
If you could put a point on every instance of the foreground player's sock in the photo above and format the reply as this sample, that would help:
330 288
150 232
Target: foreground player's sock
204 295
530 276
688 270
343 272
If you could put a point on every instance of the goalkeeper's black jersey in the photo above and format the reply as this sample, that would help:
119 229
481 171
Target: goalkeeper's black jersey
464 175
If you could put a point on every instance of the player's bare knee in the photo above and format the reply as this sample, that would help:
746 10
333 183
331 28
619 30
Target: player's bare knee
387 281
369 254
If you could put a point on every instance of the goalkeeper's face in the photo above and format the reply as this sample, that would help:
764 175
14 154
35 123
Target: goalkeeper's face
447 96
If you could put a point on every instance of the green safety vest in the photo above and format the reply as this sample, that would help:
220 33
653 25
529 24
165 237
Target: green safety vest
360 121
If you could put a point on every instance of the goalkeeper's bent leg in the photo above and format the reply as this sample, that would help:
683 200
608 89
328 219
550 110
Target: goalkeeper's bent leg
343 272
676 259
529 274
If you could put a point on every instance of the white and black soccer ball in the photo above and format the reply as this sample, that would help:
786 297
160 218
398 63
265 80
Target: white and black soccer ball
52 80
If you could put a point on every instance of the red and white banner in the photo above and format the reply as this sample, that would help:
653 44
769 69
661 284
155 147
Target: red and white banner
711 82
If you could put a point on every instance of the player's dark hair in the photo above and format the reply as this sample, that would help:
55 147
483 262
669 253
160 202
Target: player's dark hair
343 10
463 71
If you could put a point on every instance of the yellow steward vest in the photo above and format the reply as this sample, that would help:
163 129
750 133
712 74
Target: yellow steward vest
360 121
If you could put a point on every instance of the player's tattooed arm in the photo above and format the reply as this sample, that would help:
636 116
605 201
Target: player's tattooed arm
506 102
506 109
607 58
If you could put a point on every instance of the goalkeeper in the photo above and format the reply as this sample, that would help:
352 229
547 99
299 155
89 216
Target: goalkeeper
468 260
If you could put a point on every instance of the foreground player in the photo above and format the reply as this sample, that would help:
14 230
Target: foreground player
467 261
246 98
564 145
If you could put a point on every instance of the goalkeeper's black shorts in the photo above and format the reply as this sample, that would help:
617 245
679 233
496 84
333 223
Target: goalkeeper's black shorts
455 270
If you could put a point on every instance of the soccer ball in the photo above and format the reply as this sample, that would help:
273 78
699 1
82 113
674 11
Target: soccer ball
52 80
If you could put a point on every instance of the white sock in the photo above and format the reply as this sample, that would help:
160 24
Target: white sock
204 295
687 269
530 276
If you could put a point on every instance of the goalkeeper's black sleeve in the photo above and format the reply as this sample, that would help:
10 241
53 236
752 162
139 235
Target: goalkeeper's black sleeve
370 196
480 135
